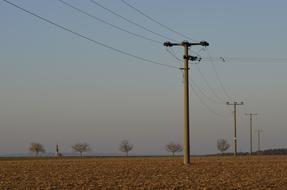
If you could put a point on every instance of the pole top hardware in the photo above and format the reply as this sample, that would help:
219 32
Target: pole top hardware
167 44
235 103
204 43
186 43
201 43
192 58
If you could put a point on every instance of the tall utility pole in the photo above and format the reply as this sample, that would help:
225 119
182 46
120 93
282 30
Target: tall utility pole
250 117
259 131
186 58
235 130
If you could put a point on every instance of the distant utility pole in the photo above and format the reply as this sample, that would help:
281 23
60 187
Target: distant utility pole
57 150
186 58
250 117
235 132
258 131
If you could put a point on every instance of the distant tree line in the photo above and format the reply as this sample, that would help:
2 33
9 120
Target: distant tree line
276 151
125 146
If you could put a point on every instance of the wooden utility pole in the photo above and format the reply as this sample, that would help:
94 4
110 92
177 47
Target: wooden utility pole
235 129
250 120
186 58
258 131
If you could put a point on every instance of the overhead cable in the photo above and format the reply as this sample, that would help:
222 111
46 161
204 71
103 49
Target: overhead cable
206 105
155 21
108 23
217 76
89 39
130 21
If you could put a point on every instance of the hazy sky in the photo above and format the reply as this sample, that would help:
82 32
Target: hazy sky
59 88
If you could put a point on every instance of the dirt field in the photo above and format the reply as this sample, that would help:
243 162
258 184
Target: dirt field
256 172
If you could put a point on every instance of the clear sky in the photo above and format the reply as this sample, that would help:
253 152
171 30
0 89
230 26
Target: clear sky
59 88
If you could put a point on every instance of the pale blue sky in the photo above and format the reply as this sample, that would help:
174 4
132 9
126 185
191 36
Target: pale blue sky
59 88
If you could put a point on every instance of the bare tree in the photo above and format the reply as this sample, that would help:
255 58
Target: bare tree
173 148
126 147
36 148
81 147
222 145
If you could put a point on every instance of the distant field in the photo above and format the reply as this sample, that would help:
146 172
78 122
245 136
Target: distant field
245 172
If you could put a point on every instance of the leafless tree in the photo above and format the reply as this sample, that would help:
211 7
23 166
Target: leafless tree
126 147
222 145
36 148
173 148
81 147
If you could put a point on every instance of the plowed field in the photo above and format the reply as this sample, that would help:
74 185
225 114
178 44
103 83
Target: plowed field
245 172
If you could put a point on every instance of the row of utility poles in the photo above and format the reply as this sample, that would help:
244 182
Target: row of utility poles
258 131
186 58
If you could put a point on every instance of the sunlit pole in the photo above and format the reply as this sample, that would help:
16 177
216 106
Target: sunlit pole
235 129
186 58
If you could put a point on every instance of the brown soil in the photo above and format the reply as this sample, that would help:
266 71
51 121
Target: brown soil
245 172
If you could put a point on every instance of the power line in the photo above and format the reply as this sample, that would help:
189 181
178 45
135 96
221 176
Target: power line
246 59
204 94
197 53
89 39
130 21
155 21
204 103
108 23
208 84
256 59
217 76
173 55
220 100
